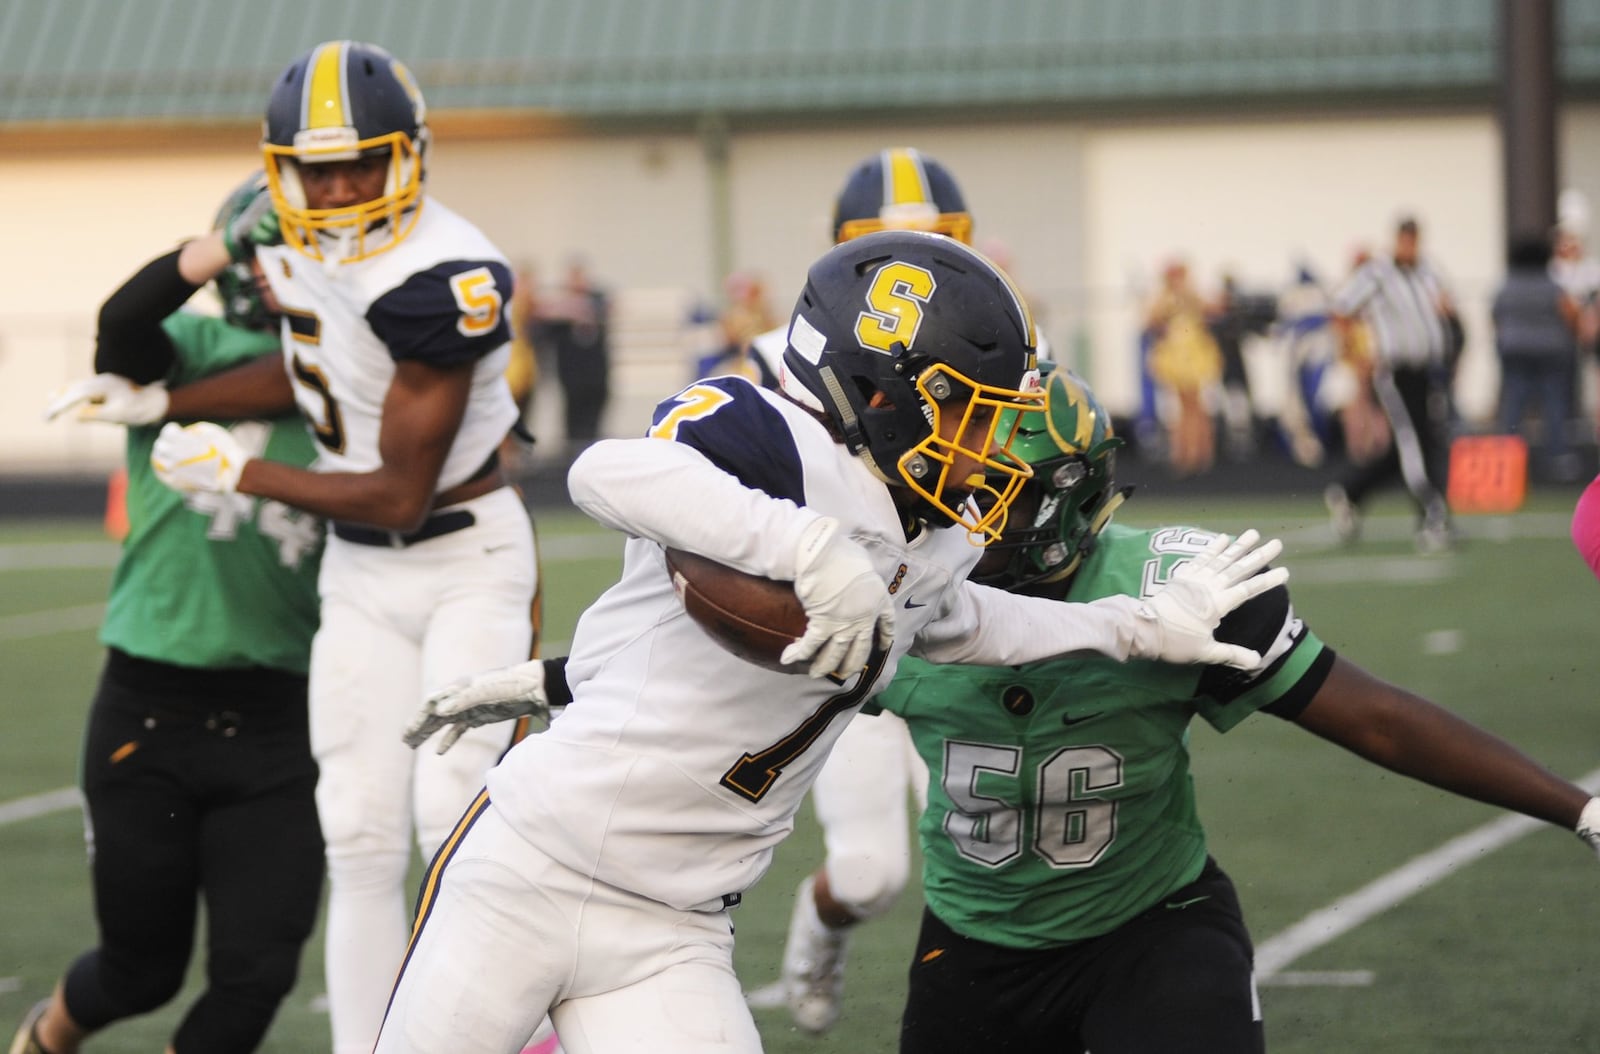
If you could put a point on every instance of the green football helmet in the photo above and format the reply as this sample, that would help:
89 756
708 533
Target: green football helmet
1072 451
237 287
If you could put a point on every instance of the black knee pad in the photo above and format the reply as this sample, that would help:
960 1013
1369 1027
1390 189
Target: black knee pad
99 989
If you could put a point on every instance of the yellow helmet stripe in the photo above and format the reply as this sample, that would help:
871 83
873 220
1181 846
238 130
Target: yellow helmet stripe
905 182
326 105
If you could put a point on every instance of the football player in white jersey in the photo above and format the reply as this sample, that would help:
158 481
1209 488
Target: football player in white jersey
861 795
593 878
395 345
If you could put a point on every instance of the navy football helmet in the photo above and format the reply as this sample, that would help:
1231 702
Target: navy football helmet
1072 450
912 344
900 189
237 286
342 101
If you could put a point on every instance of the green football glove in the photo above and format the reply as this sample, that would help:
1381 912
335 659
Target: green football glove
256 224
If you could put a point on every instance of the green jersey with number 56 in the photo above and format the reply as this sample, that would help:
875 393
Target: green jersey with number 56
216 580
1060 803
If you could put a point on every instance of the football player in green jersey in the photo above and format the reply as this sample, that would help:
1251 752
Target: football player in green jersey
1071 900
198 778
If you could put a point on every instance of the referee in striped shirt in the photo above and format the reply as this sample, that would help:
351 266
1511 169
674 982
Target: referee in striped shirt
1407 311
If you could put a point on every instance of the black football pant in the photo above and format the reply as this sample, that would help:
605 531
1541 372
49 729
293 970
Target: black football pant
200 789
1174 980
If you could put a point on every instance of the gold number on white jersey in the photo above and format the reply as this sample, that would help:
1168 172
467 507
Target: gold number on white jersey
753 775
479 300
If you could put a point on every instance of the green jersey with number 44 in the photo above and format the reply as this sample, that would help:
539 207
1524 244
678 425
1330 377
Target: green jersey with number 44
216 580
1060 803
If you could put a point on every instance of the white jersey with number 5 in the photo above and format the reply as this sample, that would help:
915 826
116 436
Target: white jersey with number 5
439 297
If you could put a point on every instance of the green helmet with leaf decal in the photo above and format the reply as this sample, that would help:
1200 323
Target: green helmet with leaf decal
1072 451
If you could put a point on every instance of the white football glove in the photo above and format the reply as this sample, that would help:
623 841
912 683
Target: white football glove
482 699
198 457
1589 824
113 399
1177 621
847 605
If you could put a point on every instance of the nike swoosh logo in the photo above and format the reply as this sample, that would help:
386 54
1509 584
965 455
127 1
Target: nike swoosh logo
912 604
1068 719
1179 905
495 548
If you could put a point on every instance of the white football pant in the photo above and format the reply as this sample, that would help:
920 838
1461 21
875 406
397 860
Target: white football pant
860 801
508 934
397 624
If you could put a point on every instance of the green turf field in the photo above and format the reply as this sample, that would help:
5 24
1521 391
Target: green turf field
1487 946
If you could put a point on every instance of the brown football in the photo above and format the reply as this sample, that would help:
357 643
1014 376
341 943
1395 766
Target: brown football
755 618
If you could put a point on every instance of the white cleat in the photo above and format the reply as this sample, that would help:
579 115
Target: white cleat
813 965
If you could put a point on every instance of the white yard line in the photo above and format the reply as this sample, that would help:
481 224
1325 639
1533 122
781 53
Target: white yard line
54 556
1348 912
19 809
55 620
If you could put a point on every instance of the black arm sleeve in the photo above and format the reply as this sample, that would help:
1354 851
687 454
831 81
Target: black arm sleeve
555 682
130 340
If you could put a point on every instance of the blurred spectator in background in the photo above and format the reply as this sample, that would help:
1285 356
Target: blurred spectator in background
1347 386
1536 327
574 320
1575 268
1307 355
1235 316
746 314
1407 310
1578 274
522 373
1186 364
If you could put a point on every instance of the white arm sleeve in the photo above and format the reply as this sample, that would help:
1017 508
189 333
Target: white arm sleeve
670 493
991 627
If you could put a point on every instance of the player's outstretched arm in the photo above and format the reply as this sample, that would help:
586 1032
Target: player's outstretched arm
482 699
1177 622
989 627
1407 734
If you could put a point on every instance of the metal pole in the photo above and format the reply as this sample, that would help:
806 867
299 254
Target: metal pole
714 142
1528 109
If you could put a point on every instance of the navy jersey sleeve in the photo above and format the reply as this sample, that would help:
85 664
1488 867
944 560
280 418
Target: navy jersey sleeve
452 313
730 422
